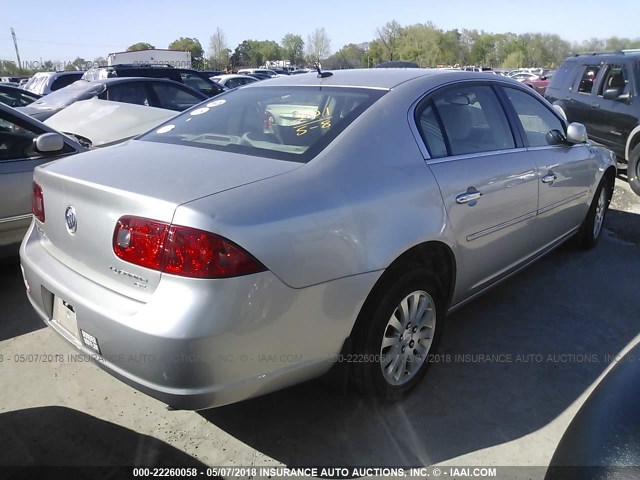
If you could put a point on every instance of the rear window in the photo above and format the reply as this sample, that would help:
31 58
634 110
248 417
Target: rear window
78 90
564 77
286 123
64 80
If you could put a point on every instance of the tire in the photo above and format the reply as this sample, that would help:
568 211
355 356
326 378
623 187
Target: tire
633 170
591 228
404 362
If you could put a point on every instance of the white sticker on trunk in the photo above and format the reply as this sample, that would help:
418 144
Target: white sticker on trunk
165 129
216 103
200 111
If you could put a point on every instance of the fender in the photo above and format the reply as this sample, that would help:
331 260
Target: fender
627 152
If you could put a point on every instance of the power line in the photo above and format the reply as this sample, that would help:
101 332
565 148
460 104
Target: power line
69 44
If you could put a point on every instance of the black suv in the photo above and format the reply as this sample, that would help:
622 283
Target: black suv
192 78
601 91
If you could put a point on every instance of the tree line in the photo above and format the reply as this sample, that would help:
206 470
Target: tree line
422 43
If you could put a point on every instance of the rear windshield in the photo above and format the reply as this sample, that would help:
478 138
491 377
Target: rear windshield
286 123
79 90
36 83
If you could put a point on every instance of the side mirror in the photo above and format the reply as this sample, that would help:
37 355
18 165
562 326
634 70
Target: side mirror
555 137
625 97
576 133
49 143
559 110
612 93
543 78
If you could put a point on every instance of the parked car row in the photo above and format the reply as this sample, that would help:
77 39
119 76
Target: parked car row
150 92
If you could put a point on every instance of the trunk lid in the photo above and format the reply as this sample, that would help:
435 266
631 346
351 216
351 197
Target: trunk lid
138 178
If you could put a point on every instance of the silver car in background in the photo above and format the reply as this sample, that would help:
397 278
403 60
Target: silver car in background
25 143
257 240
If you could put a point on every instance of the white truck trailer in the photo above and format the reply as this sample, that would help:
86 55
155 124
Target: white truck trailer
174 58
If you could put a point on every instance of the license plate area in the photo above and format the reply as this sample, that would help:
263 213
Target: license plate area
64 314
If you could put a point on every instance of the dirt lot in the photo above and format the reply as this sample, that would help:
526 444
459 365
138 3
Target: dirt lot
515 367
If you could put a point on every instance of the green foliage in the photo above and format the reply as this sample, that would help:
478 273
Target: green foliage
187 44
389 37
254 53
293 49
218 51
318 46
140 46
422 43
515 59
349 56
375 53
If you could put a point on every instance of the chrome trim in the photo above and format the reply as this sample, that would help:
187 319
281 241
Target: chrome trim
487 231
554 147
549 178
562 202
466 156
16 218
468 197
364 87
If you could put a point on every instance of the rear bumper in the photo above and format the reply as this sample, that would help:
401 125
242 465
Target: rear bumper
201 343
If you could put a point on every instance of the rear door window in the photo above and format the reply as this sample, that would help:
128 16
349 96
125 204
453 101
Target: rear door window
174 97
471 120
588 79
134 92
615 78
196 82
64 80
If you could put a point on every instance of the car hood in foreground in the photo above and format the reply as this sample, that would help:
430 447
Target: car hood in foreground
103 122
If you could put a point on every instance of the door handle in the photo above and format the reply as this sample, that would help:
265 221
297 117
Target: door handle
549 178
595 105
467 197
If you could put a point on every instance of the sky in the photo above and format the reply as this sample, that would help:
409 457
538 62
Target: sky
62 31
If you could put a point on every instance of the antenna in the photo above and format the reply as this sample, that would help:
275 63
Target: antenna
15 44
322 74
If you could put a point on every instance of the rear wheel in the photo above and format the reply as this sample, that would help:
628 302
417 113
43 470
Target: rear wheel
396 333
633 170
591 228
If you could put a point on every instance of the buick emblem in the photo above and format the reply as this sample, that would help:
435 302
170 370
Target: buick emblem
72 221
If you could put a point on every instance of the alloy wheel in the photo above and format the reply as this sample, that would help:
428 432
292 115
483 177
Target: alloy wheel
408 337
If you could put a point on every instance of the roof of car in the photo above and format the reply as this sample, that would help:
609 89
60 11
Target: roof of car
114 80
59 74
385 78
231 75
632 54
14 88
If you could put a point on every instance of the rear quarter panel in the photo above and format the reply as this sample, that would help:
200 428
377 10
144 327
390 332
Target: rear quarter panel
366 199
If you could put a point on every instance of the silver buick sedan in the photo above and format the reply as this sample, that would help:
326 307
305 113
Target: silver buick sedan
314 221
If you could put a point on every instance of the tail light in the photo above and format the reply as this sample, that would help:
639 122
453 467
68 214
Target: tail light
178 250
37 202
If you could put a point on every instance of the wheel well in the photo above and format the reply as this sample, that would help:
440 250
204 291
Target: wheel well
434 255
610 176
635 141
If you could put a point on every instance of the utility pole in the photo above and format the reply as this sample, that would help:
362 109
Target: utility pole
15 44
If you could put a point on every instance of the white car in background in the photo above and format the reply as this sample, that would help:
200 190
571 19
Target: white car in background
264 71
233 80
43 83
99 123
